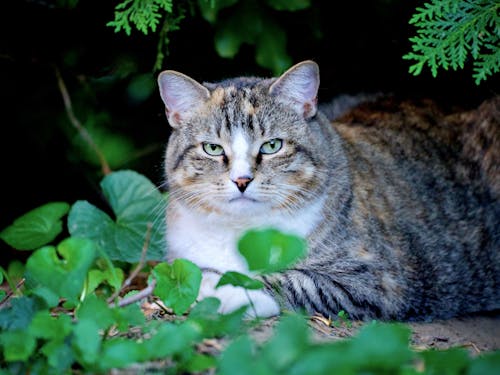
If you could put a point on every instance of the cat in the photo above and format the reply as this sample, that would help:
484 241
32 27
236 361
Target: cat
401 212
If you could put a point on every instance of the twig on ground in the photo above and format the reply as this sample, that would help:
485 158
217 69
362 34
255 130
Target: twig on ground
137 269
11 292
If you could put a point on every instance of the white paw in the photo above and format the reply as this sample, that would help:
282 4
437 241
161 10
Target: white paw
259 304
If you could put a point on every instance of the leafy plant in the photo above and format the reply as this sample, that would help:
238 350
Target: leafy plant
236 22
449 31
74 314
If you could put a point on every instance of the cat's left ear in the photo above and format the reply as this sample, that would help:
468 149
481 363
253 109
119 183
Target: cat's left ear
298 87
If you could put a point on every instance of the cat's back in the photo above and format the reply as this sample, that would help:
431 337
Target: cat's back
428 183
419 140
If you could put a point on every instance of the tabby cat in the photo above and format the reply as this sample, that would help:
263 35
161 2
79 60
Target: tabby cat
401 212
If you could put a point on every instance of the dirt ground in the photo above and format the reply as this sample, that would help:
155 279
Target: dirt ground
477 334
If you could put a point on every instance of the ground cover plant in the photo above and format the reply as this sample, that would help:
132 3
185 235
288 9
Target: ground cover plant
73 306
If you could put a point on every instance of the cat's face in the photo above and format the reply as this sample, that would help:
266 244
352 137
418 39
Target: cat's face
243 147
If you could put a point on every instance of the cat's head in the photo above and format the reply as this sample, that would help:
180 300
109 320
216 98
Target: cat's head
244 146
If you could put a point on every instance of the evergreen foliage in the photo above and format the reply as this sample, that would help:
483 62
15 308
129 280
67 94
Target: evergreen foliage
448 31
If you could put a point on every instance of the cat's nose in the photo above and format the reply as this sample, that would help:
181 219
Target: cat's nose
242 182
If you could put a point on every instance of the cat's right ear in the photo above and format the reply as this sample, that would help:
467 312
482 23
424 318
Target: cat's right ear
181 95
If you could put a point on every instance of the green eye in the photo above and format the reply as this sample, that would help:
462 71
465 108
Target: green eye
213 149
271 147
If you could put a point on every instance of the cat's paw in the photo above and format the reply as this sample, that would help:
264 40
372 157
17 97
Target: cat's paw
260 304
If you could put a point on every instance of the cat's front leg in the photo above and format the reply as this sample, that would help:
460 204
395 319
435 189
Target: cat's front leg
260 304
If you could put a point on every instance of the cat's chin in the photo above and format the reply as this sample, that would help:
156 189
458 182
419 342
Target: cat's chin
244 204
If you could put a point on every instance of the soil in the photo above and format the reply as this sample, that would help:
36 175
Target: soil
478 334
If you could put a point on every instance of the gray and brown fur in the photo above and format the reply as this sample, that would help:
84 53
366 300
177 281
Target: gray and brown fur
410 228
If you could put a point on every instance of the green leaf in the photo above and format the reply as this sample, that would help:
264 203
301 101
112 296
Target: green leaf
238 358
120 352
368 353
177 284
487 364
242 25
97 310
239 279
271 49
201 363
447 362
17 345
86 341
269 250
19 314
213 324
48 296
96 277
59 355
128 316
62 269
289 342
136 203
171 339
37 227
48 327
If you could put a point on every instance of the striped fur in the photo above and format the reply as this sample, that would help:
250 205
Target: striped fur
398 201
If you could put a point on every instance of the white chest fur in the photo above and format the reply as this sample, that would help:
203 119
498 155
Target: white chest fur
210 241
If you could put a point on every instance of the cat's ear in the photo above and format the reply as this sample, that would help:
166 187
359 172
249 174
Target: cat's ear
298 86
181 95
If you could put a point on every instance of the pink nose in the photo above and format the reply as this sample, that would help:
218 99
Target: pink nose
242 182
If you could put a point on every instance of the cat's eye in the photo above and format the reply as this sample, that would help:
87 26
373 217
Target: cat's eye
213 149
271 147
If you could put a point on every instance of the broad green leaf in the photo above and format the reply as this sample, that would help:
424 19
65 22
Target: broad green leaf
242 25
96 277
59 355
128 316
368 352
120 352
269 250
19 314
17 345
238 358
487 364
62 269
97 310
177 284
45 326
37 227
200 363
47 295
239 279
171 339
205 314
289 342
320 359
136 203
86 341
446 362
271 49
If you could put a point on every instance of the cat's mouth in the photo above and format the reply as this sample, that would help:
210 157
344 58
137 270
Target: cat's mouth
243 198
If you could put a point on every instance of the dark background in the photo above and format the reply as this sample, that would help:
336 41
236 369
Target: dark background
358 46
